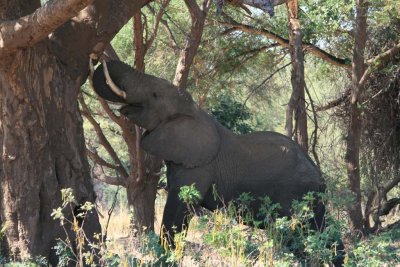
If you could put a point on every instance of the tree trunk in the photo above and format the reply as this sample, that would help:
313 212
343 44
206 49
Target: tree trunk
41 127
141 184
42 150
141 199
296 103
355 121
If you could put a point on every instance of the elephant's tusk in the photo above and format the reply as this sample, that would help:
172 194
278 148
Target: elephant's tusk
110 82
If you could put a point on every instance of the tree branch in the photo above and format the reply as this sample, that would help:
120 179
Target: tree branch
336 102
314 135
149 41
314 50
98 173
390 185
102 139
378 62
95 157
188 52
90 32
30 29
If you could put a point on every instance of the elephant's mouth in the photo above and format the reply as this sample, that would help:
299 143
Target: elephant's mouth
146 133
131 108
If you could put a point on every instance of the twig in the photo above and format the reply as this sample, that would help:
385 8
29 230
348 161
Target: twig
264 81
314 134
110 211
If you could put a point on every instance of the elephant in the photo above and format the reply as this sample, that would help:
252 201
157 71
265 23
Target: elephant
199 151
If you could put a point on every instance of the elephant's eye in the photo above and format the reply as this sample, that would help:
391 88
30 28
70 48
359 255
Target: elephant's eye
155 95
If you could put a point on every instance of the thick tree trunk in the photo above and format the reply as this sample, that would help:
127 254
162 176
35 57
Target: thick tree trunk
42 150
42 136
296 103
355 121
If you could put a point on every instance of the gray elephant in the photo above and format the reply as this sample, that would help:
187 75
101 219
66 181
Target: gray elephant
198 150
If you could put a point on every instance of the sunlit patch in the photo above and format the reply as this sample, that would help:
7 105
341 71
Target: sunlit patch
284 149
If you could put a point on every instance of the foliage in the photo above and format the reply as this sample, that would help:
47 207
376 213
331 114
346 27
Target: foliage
231 113
76 247
189 194
278 239
380 250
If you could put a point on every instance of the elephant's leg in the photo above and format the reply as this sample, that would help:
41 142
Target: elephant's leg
177 214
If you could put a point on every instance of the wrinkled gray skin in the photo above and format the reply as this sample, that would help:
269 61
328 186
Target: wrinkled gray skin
198 150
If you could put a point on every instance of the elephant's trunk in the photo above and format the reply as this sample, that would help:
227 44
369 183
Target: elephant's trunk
118 82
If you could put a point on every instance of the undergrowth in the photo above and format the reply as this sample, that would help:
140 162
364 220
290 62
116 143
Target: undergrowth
223 238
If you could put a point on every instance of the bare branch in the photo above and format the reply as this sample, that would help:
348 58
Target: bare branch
98 173
336 102
314 50
265 80
174 43
314 134
32 28
102 138
193 8
95 157
149 41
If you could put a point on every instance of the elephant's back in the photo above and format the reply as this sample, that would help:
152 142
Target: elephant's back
276 152
275 164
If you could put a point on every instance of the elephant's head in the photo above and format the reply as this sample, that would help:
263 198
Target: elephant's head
177 130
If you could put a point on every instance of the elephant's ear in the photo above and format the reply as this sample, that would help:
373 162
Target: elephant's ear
186 140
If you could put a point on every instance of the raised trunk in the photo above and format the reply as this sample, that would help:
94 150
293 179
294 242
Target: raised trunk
355 123
296 103
42 150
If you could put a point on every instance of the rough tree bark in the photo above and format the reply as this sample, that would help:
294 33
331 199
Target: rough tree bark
42 135
355 121
296 103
